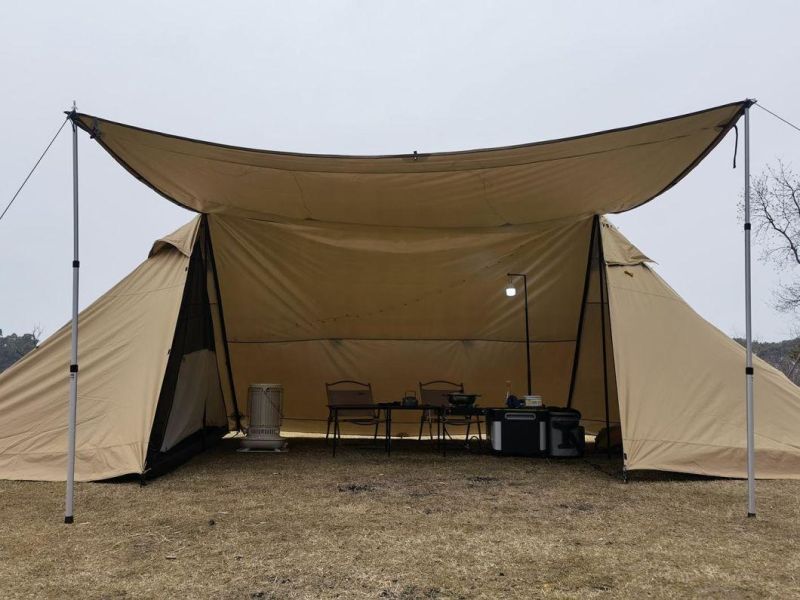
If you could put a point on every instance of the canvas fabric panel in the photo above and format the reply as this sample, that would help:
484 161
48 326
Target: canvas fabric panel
198 398
681 387
124 339
577 177
393 367
588 396
219 343
309 304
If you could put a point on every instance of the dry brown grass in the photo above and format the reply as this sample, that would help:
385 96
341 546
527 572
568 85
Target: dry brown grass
417 525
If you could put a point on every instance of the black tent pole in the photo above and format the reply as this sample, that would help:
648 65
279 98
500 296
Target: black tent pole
223 330
579 336
603 305
527 334
527 327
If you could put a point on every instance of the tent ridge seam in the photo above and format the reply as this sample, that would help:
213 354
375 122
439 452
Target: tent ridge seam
474 170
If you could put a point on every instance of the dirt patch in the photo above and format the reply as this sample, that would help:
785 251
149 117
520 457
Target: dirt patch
355 488
410 592
482 479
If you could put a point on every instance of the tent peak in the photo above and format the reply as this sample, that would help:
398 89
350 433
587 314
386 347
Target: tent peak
617 249
182 239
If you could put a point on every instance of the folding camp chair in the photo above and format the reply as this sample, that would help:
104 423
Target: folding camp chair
347 393
437 393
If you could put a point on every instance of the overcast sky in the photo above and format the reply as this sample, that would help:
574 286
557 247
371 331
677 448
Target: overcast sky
369 77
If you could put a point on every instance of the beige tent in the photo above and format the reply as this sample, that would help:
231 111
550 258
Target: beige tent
304 269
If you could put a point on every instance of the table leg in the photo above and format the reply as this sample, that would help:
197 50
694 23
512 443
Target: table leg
444 431
335 430
438 430
389 431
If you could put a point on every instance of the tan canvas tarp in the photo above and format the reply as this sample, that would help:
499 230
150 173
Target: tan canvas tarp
125 337
578 177
392 270
681 383
309 304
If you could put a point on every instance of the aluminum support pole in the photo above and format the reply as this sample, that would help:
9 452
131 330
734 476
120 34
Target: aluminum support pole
73 360
751 483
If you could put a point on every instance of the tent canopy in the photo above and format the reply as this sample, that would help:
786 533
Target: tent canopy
310 269
577 177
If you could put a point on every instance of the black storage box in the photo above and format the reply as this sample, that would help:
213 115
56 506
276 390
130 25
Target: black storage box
518 431
566 437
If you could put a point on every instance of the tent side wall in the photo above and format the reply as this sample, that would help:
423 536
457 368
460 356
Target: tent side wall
191 412
681 384
125 338
315 303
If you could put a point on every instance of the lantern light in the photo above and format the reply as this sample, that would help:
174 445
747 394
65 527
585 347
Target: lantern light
510 289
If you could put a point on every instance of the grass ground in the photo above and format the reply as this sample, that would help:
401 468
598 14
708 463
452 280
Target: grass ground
417 525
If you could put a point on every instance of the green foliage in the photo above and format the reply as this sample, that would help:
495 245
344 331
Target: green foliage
784 356
13 347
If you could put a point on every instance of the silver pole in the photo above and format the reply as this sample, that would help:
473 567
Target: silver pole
73 360
751 482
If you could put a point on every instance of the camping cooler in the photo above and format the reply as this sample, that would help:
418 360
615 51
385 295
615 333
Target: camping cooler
565 434
520 432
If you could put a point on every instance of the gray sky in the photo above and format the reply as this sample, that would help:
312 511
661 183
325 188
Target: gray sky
380 77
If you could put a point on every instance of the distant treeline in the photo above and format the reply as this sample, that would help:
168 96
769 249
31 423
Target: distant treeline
781 355
13 347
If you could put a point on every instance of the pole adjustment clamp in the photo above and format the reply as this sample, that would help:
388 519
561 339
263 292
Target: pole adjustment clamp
73 368
748 370
76 264
747 227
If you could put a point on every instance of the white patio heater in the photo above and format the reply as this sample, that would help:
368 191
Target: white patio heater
265 407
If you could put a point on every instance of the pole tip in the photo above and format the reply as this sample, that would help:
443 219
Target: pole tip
69 520
749 515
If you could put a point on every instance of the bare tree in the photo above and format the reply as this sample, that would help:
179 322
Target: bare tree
775 206
31 341
792 373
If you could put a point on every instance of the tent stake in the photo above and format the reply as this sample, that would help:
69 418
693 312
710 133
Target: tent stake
73 361
751 484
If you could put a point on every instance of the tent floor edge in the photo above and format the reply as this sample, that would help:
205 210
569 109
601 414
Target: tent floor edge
161 463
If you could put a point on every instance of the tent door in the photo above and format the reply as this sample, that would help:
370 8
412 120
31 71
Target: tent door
198 399
191 411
